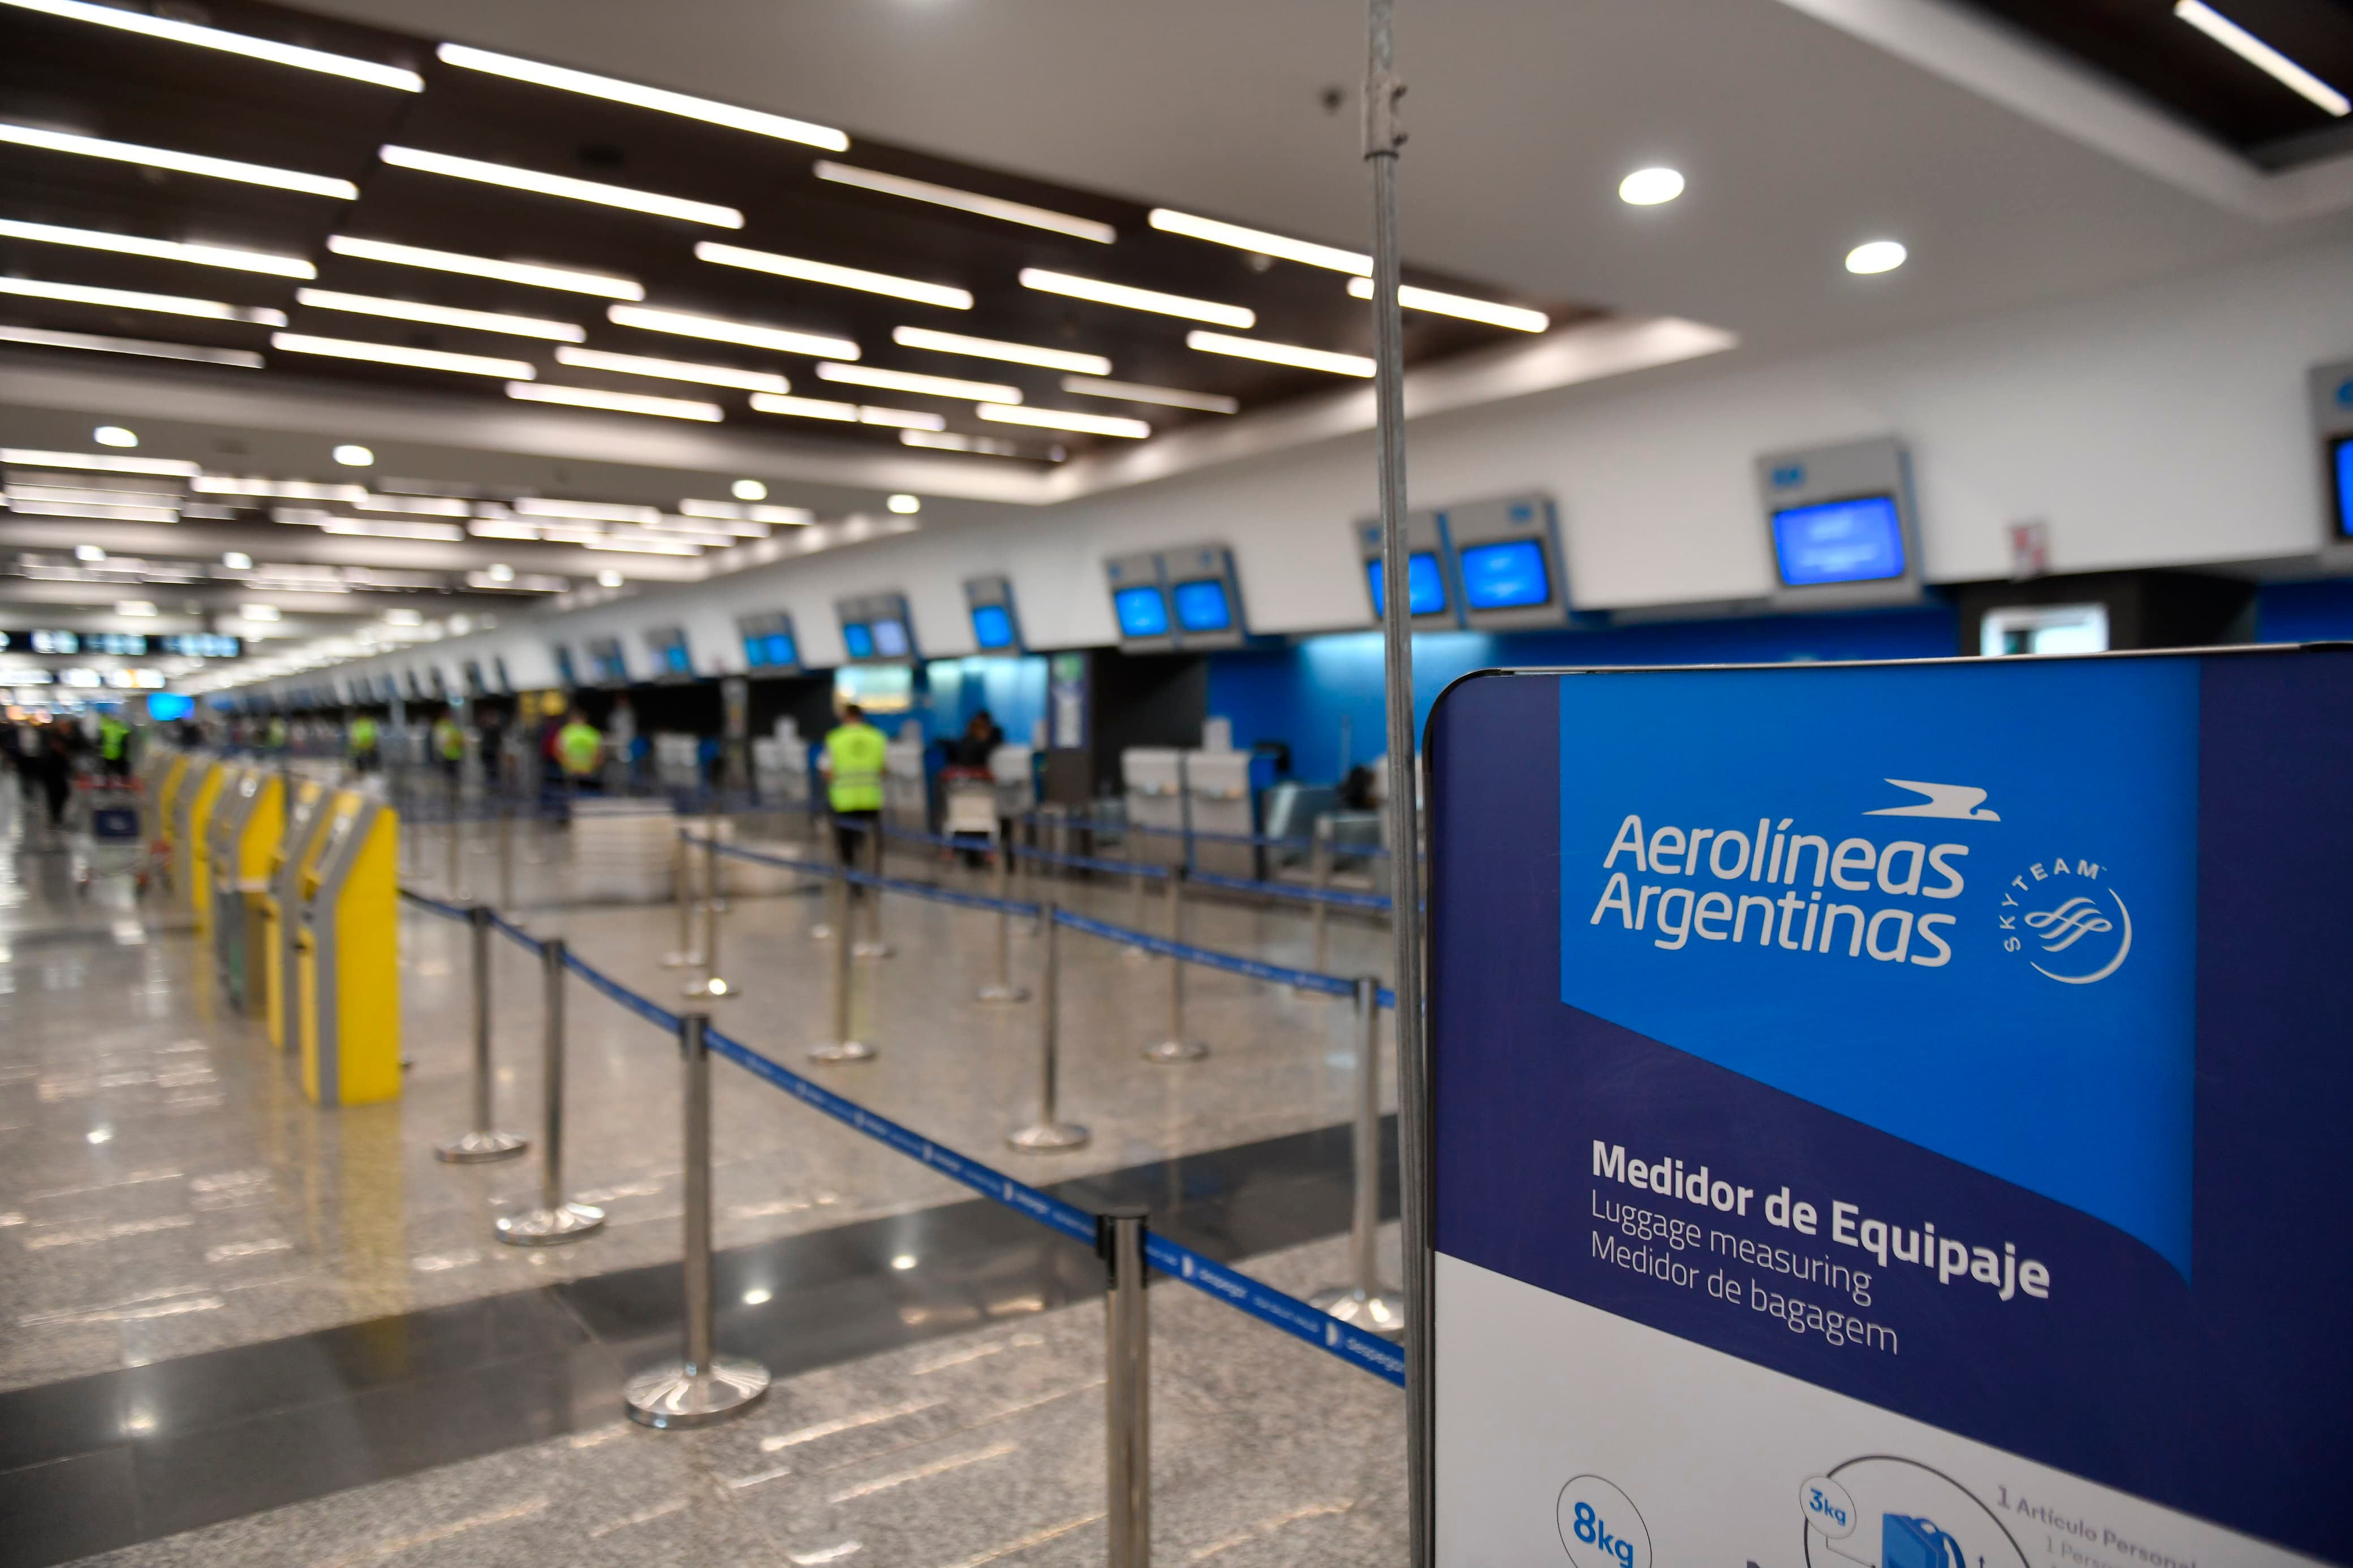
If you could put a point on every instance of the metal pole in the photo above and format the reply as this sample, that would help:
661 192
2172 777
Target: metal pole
1001 990
1127 1388
557 1218
874 947
506 854
456 870
1320 858
837 899
1384 136
710 987
1365 1301
1176 1047
1049 1131
842 1046
704 1386
483 1143
1131 952
681 875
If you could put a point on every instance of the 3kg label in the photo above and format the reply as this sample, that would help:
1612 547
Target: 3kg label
1600 1527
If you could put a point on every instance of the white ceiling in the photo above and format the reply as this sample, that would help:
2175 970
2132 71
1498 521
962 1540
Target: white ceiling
1799 138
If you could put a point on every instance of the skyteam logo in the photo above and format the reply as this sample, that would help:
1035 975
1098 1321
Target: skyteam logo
2066 920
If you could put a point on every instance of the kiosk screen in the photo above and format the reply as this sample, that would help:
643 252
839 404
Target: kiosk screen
2341 464
858 640
1201 606
992 626
891 639
1143 612
1509 574
1425 584
1859 540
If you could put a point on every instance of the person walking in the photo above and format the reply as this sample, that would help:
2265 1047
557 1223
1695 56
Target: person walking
363 744
114 746
852 765
580 751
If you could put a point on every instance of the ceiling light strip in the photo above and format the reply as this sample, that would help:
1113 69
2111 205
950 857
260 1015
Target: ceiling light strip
160 249
392 353
133 299
2262 55
965 201
901 418
597 510
929 385
245 358
1518 318
96 462
988 445
614 402
805 407
827 272
1280 353
1140 392
673 369
783 340
440 315
545 185
1066 419
991 348
289 489
1150 299
180 162
570 279
1259 242
108 513
615 90
371 72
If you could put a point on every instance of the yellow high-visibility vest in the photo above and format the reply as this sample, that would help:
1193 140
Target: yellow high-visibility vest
854 753
579 747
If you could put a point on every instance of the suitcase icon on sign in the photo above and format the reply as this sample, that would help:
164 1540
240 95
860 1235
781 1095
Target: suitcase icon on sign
1908 1542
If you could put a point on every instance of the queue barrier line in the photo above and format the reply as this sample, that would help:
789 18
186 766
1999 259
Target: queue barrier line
435 906
1206 836
1147 869
1208 958
1345 898
1277 1308
868 880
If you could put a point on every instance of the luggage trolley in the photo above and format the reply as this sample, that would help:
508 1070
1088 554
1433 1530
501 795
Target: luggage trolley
114 813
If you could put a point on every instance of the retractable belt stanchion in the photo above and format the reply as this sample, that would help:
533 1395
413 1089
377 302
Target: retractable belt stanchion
1365 1301
1176 1047
456 848
556 1219
681 870
1131 952
483 1143
874 947
1049 1131
1001 990
506 854
837 919
1321 861
704 1386
712 987
1127 1388
842 1046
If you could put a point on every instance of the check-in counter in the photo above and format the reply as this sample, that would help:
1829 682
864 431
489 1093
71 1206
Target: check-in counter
1219 808
677 762
906 792
1154 778
292 858
246 820
347 985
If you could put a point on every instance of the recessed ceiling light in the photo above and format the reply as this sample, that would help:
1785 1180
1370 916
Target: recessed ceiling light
237 561
262 612
1138 392
1875 255
392 353
1650 187
1150 299
911 381
180 162
137 609
160 249
825 272
350 455
500 572
989 348
673 369
2261 54
114 435
903 1262
243 358
403 618
965 201
1518 318
905 505
268 49
1279 354
440 315
134 300
1066 419
748 489
533 180
569 278
608 578
1259 242
89 553
718 330
641 96
614 402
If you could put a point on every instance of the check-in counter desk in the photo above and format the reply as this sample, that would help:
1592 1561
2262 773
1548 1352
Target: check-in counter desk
247 819
906 792
347 987
290 858
1154 778
1219 801
677 762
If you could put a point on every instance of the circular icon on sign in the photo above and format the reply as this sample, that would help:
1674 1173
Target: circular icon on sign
1600 1526
1903 1514
1827 1508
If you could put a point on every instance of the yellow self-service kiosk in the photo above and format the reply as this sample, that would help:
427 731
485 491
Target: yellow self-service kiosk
191 824
346 955
247 818
167 798
289 861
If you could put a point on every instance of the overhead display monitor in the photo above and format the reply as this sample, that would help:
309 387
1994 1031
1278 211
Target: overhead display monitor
890 638
1143 611
858 638
1139 602
2340 469
1425 582
2332 422
1507 561
877 626
165 707
1204 595
769 643
612 665
566 676
1202 606
1431 600
667 645
1839 521
1856 539
1508 574
995 627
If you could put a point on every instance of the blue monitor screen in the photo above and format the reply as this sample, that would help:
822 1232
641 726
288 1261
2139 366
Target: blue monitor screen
1143 612
2341 463
1201 606
891 639
674 657
992 625
1425 585
858 640
780 650
1509 574
1859 540
165 706
755 652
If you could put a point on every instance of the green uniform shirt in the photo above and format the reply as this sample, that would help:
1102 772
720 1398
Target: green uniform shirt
579 747
111 733
362 736
450 739
854 753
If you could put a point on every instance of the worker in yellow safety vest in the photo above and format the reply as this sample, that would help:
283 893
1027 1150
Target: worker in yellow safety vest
580 751
113 745
852 765
449 744
363 743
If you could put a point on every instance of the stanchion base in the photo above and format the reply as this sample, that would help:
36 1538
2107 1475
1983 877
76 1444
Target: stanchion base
481 1148
682 961
1136 954
1001 996
871 949
679 1395
550 1227
1176 1051
1050 1135
711 988
820 932
1380 1310
842 1051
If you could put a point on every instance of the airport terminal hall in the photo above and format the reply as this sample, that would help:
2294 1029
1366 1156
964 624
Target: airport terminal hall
1017 783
